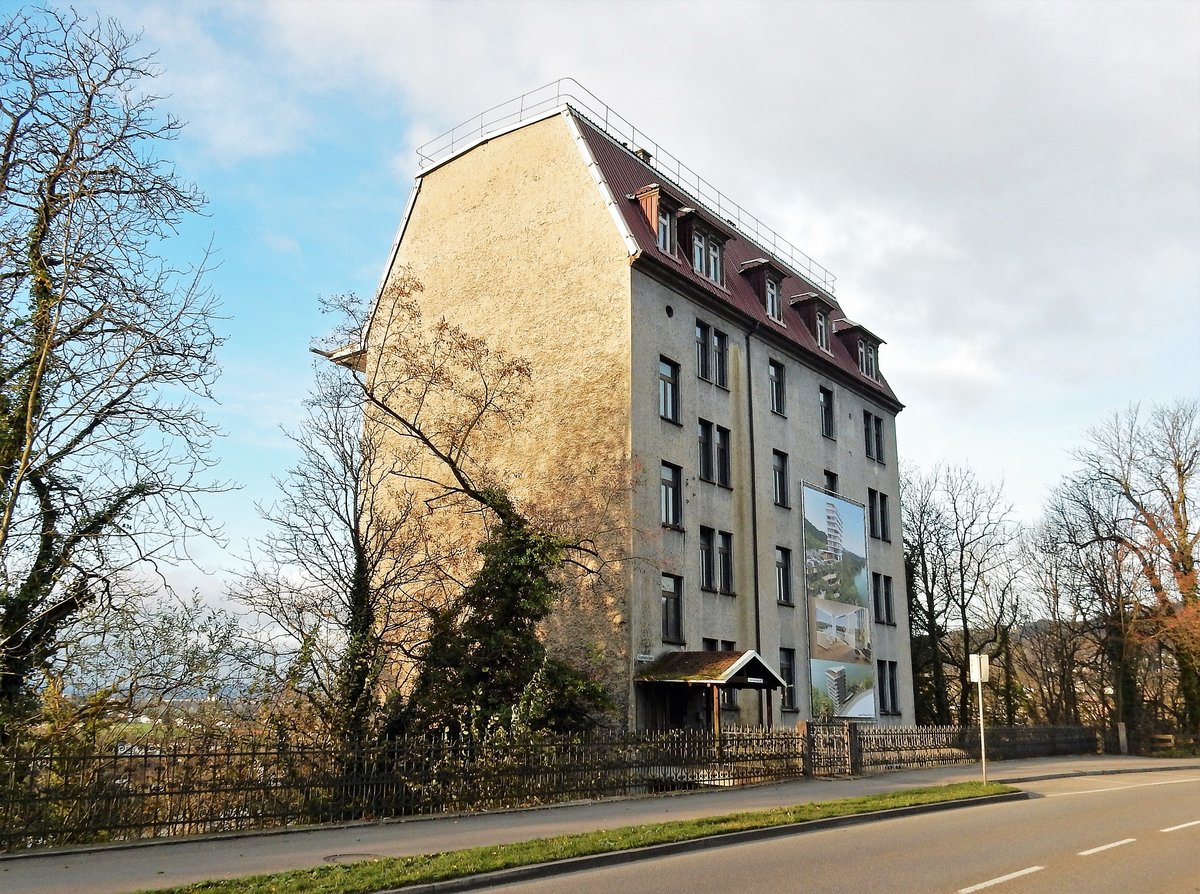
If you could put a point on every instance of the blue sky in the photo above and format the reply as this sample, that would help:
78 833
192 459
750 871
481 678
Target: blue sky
1009 193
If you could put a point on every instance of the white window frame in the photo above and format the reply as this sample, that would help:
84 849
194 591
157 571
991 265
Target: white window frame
774 305
823 330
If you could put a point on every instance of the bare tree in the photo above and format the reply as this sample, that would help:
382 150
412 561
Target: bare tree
961 544
1136 494
105 352
348 576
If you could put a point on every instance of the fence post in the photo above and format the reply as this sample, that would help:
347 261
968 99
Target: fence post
804 727
854 748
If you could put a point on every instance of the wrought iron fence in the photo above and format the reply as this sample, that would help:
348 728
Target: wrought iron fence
72 794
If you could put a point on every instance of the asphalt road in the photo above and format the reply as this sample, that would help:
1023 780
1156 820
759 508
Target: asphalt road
115 870
1137 834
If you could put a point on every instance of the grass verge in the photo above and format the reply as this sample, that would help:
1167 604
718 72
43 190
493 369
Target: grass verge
376 875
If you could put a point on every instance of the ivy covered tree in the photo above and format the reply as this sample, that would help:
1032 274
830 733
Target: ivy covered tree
106 353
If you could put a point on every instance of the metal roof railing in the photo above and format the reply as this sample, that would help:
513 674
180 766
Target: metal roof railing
568 91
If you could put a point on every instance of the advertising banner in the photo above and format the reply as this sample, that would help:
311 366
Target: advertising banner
839 606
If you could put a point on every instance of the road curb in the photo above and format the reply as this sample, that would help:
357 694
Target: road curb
654 851
1113 771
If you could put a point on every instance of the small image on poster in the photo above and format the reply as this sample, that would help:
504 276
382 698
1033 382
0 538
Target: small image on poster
839 611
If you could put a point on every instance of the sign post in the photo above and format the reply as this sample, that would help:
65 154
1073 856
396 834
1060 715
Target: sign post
980 668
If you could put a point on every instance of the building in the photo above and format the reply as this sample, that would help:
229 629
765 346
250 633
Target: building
673 335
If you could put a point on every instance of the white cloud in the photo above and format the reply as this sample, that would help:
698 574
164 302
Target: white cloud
1008 192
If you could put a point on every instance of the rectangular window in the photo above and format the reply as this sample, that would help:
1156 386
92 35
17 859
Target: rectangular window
783 575
877 512
881 588
775 374
722 457
671 495
889 690
779 477
709 644
873 435
714 261
668 389
705 441
831 481
672 604
720 343
822 330
787 670
725 562
774 307
708 560
703 340
867 358
827 428
666 231
706 256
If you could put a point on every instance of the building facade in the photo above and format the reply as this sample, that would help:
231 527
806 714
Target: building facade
760 522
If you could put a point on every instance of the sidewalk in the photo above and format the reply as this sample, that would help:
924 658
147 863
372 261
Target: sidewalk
163 863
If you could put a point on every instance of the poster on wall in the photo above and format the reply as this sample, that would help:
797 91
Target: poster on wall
839 608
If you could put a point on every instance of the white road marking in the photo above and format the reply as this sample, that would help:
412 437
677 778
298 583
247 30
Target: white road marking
1003 878
1105 847
1180 826
1121 788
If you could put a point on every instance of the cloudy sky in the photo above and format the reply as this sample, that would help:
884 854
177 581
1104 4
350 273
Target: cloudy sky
1008 193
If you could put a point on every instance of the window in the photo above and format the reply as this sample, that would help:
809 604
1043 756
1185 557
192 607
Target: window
666 230
712 349
774 306
672 603
867 358
706 450
877 513
889 691
668 389
775 373
671 496
706 256
783 575
779 477
787 670
822 330
831 481
827 428
722 456
720 343
708 561
881 589
725 562
873 436
728 693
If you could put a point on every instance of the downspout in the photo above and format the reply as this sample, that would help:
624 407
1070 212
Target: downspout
767 712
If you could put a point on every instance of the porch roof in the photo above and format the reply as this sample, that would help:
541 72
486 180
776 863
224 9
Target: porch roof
740 670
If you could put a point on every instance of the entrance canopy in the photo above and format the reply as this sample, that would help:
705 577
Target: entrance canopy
737 670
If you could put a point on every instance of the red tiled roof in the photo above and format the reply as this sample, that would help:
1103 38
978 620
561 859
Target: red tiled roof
626 174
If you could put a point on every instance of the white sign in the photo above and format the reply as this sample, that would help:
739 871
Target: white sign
980 668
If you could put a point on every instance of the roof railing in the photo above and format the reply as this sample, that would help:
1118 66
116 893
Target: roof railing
568 91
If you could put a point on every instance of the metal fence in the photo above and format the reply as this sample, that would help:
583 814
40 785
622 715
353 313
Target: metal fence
73 794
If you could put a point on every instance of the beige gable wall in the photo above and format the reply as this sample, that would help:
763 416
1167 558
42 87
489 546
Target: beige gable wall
513 242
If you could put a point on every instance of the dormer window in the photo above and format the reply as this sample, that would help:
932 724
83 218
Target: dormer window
868 358
706 256
822 332
666 230
774 305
